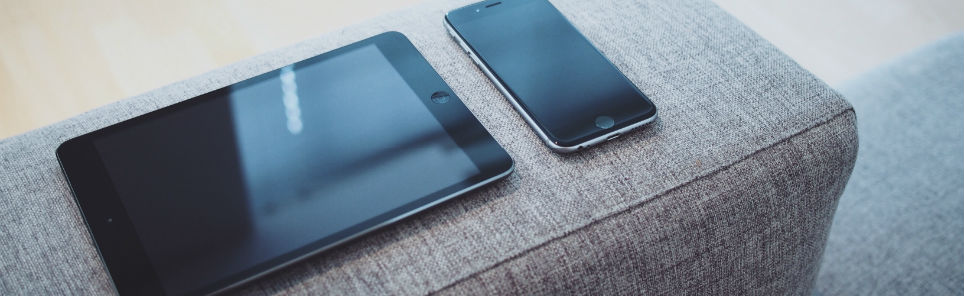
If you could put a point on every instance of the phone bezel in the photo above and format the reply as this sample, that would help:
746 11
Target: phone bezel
115 236
474 12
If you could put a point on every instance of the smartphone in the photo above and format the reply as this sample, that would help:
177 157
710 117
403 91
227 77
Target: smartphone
565 89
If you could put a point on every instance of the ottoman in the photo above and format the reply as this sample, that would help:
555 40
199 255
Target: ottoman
731 191
899 227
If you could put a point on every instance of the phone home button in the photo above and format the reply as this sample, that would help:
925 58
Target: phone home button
605 122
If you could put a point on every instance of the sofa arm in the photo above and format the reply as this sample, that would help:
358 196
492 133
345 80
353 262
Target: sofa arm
755 227
730 190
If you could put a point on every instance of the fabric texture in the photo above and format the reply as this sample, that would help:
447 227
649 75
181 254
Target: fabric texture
731 190
899 229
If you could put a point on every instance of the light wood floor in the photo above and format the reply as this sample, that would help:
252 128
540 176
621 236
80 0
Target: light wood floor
839 39
59 58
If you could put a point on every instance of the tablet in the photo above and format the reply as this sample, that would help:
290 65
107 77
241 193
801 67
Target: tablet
205 194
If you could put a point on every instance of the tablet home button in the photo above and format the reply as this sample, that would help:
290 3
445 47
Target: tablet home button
440 97
605 122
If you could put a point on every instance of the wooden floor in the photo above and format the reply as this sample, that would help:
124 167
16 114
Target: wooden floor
839 39
59 58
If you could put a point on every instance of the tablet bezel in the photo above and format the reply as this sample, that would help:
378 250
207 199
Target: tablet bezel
115 236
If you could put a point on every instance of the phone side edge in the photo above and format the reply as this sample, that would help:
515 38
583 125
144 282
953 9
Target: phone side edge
456 36
512 99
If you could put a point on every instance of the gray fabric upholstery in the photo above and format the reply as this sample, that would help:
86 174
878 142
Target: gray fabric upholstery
899 229
732 190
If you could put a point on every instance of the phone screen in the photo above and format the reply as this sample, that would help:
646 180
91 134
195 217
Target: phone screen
565 85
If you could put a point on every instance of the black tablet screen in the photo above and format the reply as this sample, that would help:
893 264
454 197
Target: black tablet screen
271 165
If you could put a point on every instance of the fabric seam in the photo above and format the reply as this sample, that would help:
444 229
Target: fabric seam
631 207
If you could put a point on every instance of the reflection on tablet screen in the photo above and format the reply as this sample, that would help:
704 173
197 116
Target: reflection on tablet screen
276 164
